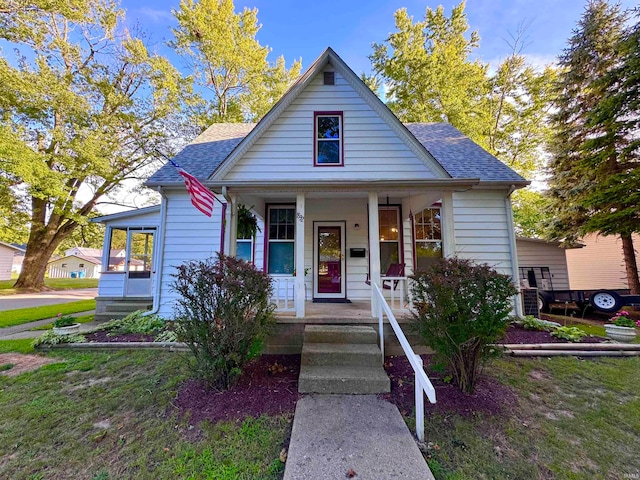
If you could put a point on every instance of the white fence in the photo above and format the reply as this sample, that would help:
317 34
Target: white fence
55 272
422 382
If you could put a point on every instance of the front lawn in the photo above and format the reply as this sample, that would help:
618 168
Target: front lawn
6 286
9 318
110 416
571 419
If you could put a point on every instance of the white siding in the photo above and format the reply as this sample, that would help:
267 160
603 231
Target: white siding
600 264
188 235
6 261
537 254
482 228
372 150
111 284
73 265
145 220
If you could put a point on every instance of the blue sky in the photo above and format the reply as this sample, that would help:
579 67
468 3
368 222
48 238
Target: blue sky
303 29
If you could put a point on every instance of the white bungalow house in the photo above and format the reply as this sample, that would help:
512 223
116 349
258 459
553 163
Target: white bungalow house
7 254
343 191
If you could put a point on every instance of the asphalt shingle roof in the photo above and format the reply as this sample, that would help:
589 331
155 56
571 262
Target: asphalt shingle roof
202 156
457 153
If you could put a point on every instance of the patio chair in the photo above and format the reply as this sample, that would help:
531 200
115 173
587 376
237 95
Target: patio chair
394 270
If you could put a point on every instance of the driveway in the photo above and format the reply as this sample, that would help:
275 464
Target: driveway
26 300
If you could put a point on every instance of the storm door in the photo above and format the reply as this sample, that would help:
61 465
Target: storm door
139 262
329 260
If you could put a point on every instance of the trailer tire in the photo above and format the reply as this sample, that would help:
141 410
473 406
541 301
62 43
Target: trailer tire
605 301
543 303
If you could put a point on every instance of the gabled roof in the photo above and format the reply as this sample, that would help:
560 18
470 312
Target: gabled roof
86 258
13 247
443 148
130 213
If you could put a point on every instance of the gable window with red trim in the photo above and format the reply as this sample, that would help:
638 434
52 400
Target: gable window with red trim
328 148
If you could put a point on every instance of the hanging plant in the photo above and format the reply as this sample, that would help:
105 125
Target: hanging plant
247 222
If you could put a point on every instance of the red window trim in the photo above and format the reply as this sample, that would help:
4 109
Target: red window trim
315 139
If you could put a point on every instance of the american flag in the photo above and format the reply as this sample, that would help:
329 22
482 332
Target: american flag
201 197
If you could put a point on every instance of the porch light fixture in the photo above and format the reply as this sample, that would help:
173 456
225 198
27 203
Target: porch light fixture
357 226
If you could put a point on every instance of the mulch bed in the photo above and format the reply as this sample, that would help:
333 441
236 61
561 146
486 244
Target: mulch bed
516 334
490 396
268 386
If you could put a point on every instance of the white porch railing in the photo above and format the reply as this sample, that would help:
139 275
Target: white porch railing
283 294
396 297
422 382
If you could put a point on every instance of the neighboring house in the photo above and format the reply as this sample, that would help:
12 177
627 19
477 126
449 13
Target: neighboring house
543 264
342 190
7 253
82 262
600 264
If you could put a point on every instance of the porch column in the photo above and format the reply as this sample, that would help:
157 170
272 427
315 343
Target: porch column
374 249
299 254
448 232
232 222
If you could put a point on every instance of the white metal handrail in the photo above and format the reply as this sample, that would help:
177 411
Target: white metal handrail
422 382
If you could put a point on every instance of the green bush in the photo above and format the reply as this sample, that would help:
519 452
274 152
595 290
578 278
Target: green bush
462 309
50 338
532 323
572 334
136 322
223 314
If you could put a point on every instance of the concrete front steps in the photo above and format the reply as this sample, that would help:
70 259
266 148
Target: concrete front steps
111 308
341 359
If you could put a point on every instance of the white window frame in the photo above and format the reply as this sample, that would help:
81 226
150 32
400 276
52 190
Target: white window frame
424 224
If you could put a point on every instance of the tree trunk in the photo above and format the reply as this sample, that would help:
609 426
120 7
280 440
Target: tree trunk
630 264
40 247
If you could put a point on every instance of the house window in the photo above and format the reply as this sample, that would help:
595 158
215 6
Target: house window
117 244
81 265
281 237
389 220
428 231
64 265
328 138
244 249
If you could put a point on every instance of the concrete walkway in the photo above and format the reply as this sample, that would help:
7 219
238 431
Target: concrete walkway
333 434
24 331
28 300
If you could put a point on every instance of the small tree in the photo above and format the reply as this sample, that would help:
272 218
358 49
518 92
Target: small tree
463 308
223 315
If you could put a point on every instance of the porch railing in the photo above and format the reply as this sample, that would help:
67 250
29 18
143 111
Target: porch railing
422 382
284 293
397 299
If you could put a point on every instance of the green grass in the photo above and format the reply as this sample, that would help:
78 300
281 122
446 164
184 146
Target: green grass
573 419
109 416
6 286
19 316
22 345
49 326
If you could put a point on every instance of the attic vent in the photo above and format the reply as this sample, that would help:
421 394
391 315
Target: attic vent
329 78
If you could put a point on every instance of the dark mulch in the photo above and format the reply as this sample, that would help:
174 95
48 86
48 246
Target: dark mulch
104 336
517 334
261 390
490 396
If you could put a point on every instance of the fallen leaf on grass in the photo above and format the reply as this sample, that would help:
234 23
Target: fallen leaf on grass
351 473
283 455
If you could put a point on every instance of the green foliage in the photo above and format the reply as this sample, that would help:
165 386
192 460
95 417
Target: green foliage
136 322
532 323
50 338
247 222
572 334
222 313
82 106
22 345
463 309
228 62
622 319
64 321
26 315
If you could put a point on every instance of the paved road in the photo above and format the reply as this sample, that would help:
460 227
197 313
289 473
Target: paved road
26 300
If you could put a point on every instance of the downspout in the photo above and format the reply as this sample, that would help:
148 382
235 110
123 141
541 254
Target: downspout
514 253
160 254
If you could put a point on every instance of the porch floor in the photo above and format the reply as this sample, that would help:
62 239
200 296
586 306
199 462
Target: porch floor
358 311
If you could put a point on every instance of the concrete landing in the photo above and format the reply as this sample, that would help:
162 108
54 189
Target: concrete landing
335 433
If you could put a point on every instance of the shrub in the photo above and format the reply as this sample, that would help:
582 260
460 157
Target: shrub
50 338
572 334
463 308
532 323
223 315
65 321
136 322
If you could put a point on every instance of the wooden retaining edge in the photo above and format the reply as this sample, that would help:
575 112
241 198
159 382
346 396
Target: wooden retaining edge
573 346
167 346
576 353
